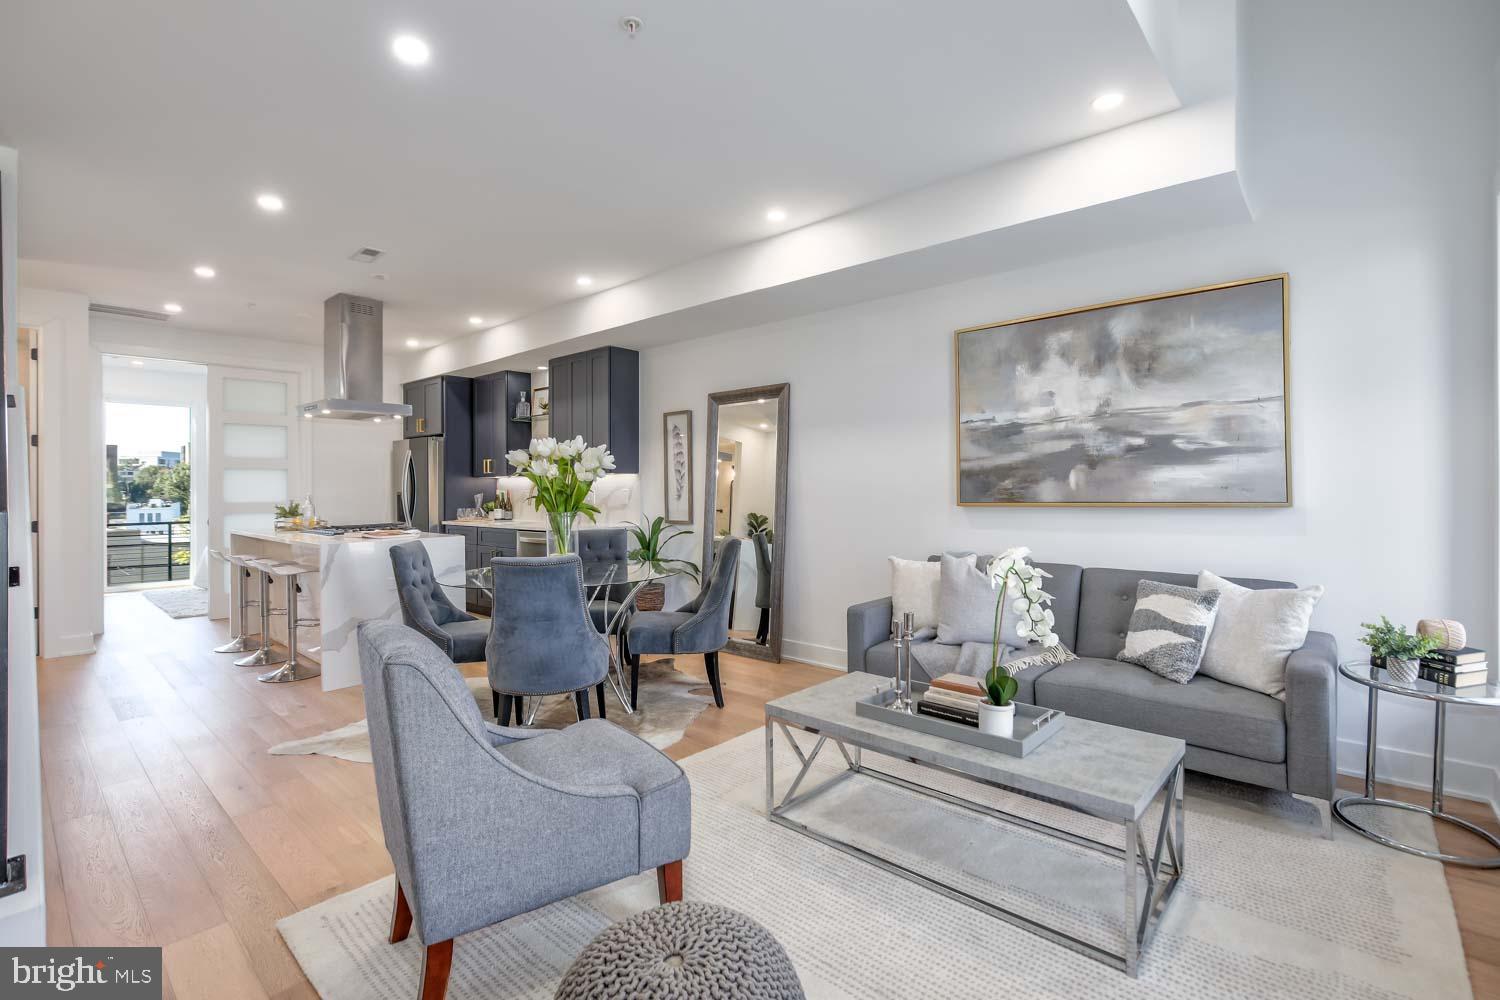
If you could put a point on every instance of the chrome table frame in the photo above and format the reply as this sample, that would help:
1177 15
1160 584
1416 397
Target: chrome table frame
1441 696
1141 914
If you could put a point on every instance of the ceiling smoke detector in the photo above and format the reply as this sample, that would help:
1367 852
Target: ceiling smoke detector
366 255
631 25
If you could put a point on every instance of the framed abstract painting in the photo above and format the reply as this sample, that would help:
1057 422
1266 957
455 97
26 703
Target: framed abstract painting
677 466
1171 400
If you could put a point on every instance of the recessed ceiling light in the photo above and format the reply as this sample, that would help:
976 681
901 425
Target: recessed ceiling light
138 363
583 281
377 420
412 342
171 307
775 215
204 271
765 427
411 50
269 202
541 368
476 320
1108 101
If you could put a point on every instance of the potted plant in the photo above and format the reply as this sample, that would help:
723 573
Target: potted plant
1396 649
760 524
563 473
650 550
1018 581
288 516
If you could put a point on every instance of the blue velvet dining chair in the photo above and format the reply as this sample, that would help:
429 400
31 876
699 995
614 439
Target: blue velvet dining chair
598 550
541 640
699 626
426 608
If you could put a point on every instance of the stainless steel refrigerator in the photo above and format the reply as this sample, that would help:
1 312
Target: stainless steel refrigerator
420 478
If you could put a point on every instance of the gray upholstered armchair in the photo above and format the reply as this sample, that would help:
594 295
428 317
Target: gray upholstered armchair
541 640
427 609
484 823
699 626
762 586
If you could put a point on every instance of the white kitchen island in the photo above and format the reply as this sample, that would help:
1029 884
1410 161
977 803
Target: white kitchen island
354 584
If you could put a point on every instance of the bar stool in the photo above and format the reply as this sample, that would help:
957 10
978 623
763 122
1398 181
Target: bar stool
265 655
240 641
293 669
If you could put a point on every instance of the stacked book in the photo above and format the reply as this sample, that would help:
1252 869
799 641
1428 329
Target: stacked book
1455 667
954 698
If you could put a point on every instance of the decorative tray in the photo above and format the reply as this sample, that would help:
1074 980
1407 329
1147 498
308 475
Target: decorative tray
1033 725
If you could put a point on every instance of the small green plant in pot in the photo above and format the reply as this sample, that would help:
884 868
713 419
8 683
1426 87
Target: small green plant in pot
650 550
1396 649
997 713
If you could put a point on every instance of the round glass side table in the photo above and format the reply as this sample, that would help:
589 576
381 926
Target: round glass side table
1376 680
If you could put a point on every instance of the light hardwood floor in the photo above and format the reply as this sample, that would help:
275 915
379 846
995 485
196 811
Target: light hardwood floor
167 823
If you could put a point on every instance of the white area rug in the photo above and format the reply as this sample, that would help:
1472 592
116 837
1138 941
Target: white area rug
1267 908
180 602
670 701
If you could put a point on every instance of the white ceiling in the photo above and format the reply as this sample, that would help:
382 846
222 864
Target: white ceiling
540 142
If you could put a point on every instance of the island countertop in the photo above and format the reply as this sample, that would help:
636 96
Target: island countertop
313 538
470 522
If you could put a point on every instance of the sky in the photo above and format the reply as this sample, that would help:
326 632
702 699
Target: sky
143 430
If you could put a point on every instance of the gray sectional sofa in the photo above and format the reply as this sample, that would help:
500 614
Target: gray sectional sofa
1230 731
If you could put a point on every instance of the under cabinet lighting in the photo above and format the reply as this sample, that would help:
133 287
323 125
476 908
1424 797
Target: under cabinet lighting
326 412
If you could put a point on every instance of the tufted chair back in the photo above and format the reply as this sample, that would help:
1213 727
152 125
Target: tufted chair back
422 599
541 639
600 548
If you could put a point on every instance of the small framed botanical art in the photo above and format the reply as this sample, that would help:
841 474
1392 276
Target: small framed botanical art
677 465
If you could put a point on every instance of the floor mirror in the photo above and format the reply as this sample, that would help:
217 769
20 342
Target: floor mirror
745 498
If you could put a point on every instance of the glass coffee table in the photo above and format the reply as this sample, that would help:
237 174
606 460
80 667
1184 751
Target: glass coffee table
599 581
1376 680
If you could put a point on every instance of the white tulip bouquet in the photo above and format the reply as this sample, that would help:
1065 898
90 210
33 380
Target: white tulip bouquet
563 473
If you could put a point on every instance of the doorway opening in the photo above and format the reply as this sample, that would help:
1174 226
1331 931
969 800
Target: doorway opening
153 426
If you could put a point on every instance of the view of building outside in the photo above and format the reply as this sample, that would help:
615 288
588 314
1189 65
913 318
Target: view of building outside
148 493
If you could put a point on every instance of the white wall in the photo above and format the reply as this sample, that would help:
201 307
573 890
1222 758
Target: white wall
1367 147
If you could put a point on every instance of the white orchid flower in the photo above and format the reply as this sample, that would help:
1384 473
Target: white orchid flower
1048 617
1035 612
1049 640
1020 605
1033 591
1023 629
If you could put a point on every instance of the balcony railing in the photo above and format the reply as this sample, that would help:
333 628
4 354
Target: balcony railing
147 552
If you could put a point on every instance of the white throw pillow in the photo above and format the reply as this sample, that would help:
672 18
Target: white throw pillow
914 587
1255 632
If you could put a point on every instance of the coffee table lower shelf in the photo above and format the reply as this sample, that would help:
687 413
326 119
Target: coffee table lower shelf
1162 866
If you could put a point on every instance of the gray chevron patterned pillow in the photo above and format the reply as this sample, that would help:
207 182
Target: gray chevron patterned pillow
1169 629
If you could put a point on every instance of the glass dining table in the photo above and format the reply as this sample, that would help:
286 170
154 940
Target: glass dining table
603 585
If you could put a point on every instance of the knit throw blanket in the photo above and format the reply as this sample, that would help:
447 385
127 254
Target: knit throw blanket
974 658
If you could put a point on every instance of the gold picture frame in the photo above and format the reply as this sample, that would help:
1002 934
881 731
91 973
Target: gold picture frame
1285 436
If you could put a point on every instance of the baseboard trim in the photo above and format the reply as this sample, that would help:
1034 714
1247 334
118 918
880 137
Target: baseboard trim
814 653
68 645
1462 779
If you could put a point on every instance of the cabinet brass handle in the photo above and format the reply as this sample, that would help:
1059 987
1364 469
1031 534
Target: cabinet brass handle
420 422
489 465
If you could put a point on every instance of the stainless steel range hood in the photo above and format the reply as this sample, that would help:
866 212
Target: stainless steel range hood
353 362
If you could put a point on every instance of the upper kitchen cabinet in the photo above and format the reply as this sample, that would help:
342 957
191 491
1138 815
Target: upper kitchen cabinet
496 427
596 396
431 400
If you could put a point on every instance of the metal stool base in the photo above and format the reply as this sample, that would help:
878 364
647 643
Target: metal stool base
263 657
1451 859
294 670
239 644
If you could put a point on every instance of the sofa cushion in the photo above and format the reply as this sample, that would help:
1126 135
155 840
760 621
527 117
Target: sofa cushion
1169 629
914 589
1255 632
1107 597
1203 712
966 604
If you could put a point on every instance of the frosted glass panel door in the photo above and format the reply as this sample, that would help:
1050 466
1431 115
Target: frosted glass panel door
253 441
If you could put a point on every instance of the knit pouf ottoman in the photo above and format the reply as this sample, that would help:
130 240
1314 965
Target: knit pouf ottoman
683 951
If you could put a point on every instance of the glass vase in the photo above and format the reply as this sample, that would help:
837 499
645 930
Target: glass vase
562 533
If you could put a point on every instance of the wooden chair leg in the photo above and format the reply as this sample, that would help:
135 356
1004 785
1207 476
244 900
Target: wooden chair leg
581 699
400 916
600 692
503 715
495 701
669 882
437 962
711 664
